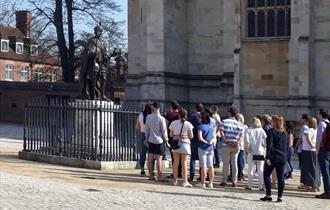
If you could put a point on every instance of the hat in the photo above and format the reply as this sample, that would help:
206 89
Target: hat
156 104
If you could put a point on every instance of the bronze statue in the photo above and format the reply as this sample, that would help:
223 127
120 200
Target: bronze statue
120 65
93 73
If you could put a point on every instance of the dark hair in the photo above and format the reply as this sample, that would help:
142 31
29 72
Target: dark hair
208 111
146 112
233 111
214 108
324 114
289 127
175 105
205 118
199 107
305 117
183 114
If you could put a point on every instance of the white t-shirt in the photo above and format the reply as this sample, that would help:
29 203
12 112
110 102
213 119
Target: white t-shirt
241 144
312 135
176 127
255 141
217 119
142 125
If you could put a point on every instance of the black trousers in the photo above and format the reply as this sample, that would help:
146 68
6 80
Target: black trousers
279 167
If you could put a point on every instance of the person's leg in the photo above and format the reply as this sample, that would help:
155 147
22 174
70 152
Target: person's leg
176 157
260 168
274 177
250 170
217 154
184 161
159 166
209 163
240 165
267 172
324 162
280 179
143 151
202 163
194 153
151 165
233 159
225 161
179 168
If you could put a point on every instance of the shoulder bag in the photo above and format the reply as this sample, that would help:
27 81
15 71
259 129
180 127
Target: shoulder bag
175 143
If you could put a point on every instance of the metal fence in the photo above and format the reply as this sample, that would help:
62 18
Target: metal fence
83 129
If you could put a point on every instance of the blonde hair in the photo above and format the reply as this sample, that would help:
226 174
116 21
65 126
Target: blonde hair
256 123
240 118
312 122
278 122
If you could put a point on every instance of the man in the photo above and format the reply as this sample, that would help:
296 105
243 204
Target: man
93 68
231 134
216 117
324 161
195 120
323 122
171 116
156 135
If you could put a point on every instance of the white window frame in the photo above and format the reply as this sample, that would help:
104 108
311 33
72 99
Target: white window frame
19 43
36 52
24 70
7 70
53 76
38 73
2 41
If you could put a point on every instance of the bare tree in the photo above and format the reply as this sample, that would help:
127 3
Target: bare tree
63 23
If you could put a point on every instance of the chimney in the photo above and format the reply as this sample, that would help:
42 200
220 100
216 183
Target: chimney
23 22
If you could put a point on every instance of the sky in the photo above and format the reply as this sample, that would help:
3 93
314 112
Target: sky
123 14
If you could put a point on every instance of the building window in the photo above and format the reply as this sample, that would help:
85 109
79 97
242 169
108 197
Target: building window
34 49
38 74
53 76
24 74
268 18
9 69
19 48
4 45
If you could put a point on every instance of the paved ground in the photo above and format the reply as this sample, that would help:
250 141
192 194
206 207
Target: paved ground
33 185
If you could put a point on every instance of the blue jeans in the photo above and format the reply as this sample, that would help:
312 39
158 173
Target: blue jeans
324 161
279 167
240 163
217 152
143 150
193 158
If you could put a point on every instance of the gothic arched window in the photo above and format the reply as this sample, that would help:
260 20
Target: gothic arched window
268 18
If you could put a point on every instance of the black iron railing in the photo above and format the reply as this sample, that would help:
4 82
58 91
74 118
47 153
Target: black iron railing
83 129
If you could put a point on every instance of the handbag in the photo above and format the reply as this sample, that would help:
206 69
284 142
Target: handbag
258 157
175 143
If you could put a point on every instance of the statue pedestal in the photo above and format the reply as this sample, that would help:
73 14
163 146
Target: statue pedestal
93 127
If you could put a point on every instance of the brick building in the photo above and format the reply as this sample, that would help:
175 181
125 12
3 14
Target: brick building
21 59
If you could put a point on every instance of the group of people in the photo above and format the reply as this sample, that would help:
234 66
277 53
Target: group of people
267 146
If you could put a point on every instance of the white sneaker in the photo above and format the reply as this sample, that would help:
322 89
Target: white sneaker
186 184
211 185
175 183
201 185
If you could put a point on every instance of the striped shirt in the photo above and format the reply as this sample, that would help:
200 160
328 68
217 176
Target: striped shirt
232 130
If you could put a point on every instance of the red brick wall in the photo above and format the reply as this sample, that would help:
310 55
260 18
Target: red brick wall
47 69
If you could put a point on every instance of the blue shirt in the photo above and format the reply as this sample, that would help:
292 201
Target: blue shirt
232 130
208 135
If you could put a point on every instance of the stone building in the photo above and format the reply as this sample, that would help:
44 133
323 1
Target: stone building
263 56
21 59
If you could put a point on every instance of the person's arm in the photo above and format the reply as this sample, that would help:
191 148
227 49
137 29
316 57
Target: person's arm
222 134
137 125
164 132
147 130
190 133
171 133
247 142
201 139
268 148
309 140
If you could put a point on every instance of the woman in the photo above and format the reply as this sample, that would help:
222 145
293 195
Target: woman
140 126
255 146
276 157
241 159
217 118
310 174
207 142
181 130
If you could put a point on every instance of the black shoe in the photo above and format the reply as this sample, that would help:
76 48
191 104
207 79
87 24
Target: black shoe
223 184
323 196
279 200
233 184
266 198
191 179
143 173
